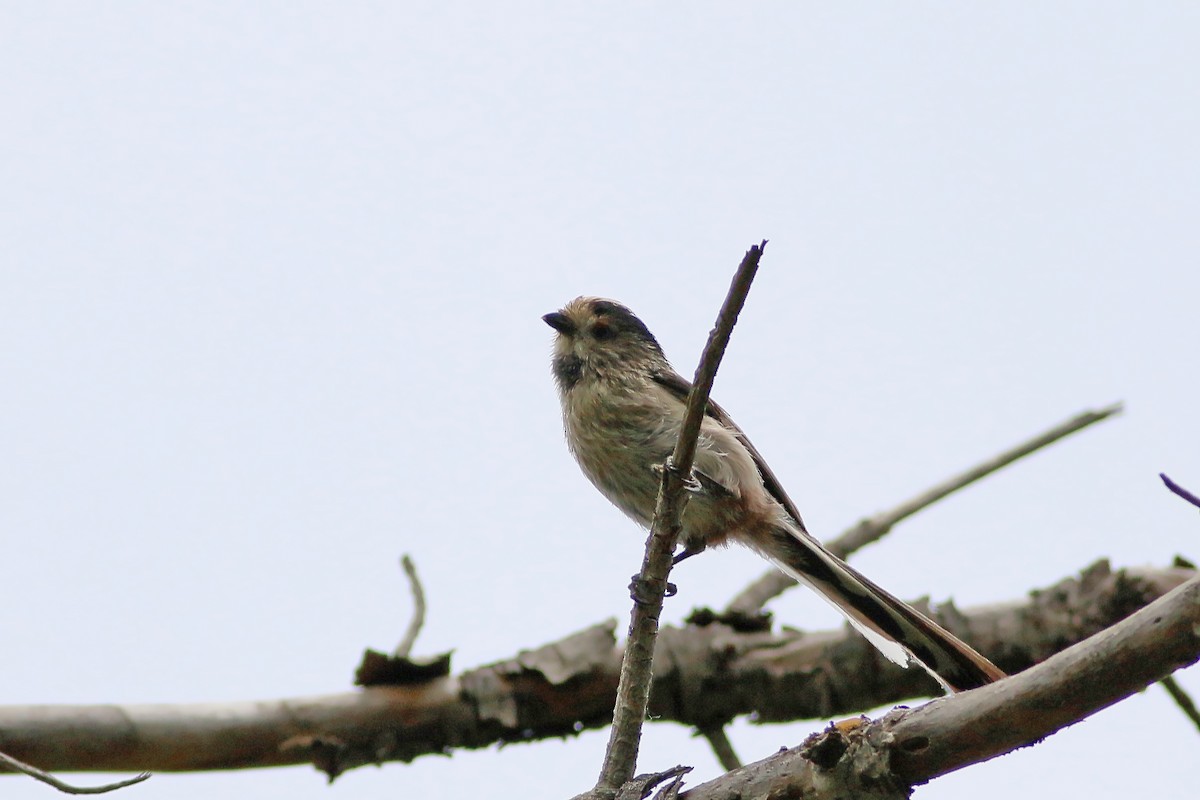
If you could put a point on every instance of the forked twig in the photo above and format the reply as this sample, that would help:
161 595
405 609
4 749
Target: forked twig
774 583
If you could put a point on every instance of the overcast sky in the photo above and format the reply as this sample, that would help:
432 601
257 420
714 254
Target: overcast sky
272 279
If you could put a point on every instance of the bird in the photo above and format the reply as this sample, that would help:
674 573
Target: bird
623 406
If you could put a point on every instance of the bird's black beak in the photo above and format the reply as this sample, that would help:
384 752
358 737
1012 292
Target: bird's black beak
560 322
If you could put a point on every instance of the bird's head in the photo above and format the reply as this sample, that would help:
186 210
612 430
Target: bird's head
599 336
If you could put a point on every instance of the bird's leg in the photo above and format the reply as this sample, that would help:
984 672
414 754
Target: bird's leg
695 483
698 484
687 552
691 483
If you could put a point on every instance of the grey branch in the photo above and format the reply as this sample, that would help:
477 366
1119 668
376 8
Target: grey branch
633 692
773 583
66 788
703 676
1182 699
884 759
718 740
418 616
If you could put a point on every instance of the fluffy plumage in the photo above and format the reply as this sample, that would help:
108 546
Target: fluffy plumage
623 406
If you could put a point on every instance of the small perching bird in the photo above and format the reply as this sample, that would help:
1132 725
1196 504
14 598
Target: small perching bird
623 406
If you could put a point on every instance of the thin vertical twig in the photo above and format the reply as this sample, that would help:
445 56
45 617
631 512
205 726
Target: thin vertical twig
418 616
633 691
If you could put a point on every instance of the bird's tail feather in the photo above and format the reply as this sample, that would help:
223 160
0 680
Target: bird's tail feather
898 630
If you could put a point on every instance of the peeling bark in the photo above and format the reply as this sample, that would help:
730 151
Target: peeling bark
703 675
886 757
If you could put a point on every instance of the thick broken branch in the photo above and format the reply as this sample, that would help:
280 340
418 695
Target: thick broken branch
1147 646
703 676
883 759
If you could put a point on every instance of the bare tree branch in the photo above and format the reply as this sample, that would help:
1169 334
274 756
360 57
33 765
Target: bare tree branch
773 583
398 668
703 675
633 692
883 759
718 739
1182 699
641 786
418 616
66 788
1179 490
1144 648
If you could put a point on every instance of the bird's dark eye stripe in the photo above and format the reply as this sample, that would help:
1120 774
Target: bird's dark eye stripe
621 318
602 330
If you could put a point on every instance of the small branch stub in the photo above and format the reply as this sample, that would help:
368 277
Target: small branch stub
398 669
418 618
1179 490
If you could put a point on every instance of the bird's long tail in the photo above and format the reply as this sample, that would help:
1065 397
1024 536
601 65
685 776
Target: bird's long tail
897 629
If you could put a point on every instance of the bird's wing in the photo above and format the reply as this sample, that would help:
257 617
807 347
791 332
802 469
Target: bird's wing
679 386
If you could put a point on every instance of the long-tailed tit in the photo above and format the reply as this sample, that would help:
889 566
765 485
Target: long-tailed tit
623 406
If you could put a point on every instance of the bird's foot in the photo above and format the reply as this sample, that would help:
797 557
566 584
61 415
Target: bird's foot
691 481
642 593
687 552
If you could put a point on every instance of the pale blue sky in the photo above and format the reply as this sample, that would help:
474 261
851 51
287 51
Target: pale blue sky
270 301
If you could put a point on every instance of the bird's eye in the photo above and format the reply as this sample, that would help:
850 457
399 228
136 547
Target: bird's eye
602 331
